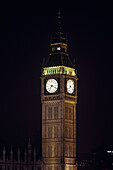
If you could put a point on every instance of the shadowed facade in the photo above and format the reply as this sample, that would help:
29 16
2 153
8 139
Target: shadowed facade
21 160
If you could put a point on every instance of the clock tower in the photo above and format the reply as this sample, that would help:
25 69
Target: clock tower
59 99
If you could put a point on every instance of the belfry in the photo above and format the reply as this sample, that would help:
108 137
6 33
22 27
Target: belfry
59 99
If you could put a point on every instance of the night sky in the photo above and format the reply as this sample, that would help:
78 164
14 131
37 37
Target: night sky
25 31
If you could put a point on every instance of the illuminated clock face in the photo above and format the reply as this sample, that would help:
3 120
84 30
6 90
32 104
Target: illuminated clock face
51 85
70 86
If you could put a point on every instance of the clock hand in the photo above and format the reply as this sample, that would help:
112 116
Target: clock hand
54 87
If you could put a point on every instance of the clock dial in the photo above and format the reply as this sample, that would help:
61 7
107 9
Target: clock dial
51 85
70 86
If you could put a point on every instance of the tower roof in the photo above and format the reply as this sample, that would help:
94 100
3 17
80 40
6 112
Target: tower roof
58 60
58 48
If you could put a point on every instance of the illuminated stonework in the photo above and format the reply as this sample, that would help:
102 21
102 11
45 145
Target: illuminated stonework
58 47
59 107
59 70
59 126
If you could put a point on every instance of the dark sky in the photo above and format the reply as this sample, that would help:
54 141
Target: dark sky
25 31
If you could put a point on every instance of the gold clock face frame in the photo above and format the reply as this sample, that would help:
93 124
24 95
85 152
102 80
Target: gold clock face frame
51 85
70 86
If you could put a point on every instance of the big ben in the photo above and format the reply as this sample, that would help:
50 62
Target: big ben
59 99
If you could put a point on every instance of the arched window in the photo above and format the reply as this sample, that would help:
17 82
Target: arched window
49 132
49 112
70 132
70 151
66 113
55 112
55 131
70 114
49 151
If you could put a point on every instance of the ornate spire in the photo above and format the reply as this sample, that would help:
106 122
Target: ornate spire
58 48
25 156
59 28
29 142
29 150
59 14
34 153
11 154
18 155
58 36
4 151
